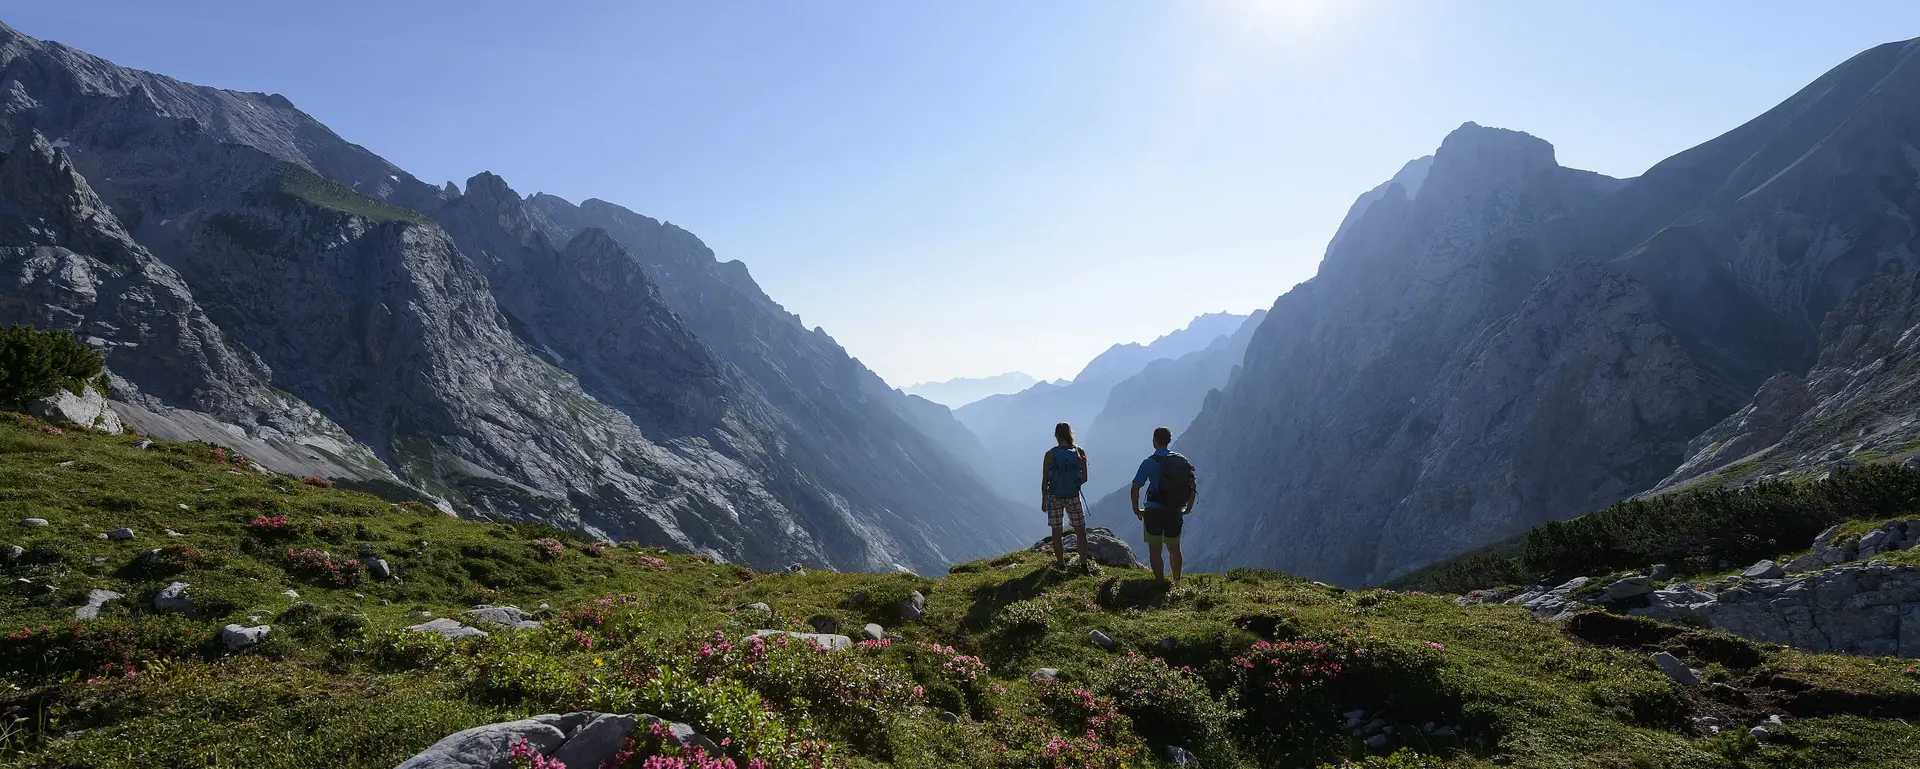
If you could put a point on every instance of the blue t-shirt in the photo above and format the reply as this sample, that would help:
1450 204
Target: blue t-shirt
1149 475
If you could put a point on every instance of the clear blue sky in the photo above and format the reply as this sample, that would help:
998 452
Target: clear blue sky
965 188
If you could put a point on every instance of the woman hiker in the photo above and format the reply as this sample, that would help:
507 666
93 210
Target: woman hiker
1062 473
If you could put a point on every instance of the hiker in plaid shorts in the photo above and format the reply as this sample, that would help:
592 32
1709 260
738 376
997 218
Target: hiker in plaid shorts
1062 473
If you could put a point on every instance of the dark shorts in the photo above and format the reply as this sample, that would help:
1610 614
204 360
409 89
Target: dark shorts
1163 526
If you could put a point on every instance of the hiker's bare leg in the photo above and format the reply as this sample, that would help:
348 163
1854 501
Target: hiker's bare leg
1173 559
1059 548
1080 545
1153 557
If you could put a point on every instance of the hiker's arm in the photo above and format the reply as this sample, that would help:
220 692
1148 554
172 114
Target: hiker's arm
1046 466
1193 497
1083 468
1134 494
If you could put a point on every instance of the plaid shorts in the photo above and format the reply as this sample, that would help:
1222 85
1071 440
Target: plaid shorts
1071 507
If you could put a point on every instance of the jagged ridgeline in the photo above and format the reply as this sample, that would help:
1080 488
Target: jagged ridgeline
168 604
254 280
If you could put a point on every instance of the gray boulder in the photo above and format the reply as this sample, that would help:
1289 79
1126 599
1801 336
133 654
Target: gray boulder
597 741
173 598
1102 546
824 640
448 629
502 616
1808 562
88 409
826 625
1100 639
33 523
1045 674
913 606
14 552
1660 572
685 736
1676 669
95 600
1179 756
1765 569
120 535
1629 588
487 747
236 637
948 716
379 568
755 607
874 632
1551 603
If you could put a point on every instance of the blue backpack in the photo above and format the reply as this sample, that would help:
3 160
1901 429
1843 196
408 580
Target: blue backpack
1069 471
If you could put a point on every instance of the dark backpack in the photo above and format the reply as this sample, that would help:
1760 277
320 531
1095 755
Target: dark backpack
1063 481
1173 489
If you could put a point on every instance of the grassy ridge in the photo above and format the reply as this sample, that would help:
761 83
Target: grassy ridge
1258 670
1695 531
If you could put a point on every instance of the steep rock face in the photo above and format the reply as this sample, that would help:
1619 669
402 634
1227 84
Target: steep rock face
1861 400
867 444
66 263
1743 244
1337 380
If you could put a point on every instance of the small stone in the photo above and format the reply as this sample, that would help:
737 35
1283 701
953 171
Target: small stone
755 607
685 736
448 629
385 602
1166 644
258 468
33 523
796 569
826 625
1375 725
1180 756
95 600
1808 562
873 632
1660 572
120 535
174 598
379 568
1764 569
101 537
143 445
503 616
853 600
1775 720
949 717
1377 742
1675 669
1045 674
544 607
1100 639
295 594
823 640
182 506
99 559
68 463
235 637
14 552
359 596
1761 733
1444 731
172 533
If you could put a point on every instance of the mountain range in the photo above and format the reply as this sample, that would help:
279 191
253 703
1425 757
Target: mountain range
1508 341
257 281
960 391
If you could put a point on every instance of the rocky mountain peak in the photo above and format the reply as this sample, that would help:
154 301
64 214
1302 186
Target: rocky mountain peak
37 178
1474 159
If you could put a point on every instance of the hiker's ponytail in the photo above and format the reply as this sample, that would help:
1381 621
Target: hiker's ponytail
1063 433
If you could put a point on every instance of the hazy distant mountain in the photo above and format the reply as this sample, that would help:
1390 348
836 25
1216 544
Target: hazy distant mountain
1015 429
1522 342
960 391
258 281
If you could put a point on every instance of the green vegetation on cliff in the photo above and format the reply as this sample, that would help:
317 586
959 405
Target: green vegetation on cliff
1249 668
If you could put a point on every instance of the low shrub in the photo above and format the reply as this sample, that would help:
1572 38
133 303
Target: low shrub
320 567
1169 705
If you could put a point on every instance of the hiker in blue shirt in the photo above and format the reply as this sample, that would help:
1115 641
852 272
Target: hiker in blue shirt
1171 487
1062 472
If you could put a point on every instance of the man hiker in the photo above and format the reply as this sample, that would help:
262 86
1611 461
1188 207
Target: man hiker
1171 488
1062 473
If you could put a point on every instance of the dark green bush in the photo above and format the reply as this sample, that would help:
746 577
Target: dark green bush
1168 705
1697 530
36 364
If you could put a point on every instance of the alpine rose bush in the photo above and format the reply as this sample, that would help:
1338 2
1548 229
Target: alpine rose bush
1168 704
548 549
321 568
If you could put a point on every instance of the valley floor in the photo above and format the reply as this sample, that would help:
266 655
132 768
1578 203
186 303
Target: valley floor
1249 668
